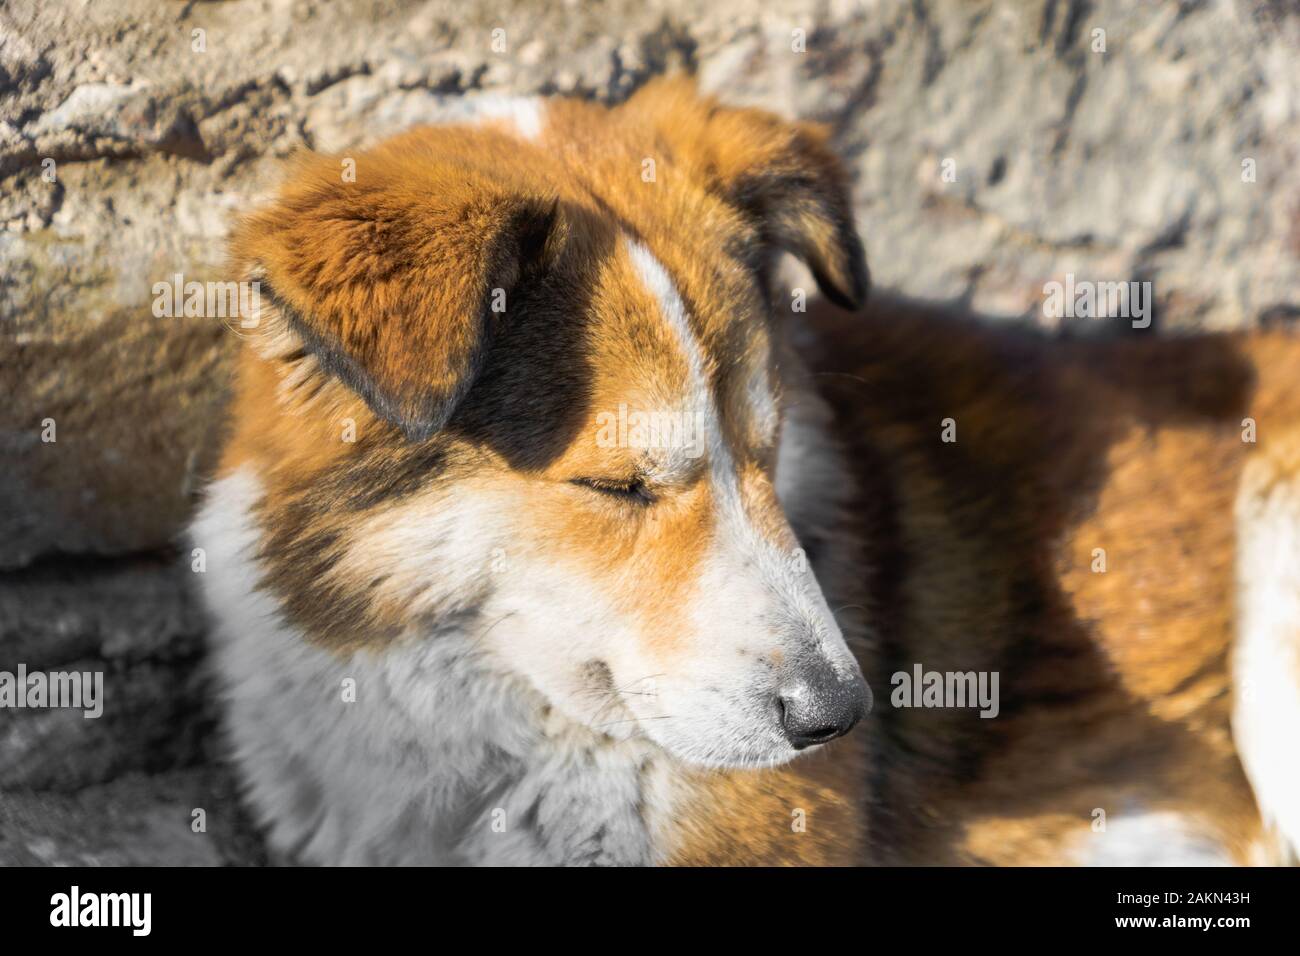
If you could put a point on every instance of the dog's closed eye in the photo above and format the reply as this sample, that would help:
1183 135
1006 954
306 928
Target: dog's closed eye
633 490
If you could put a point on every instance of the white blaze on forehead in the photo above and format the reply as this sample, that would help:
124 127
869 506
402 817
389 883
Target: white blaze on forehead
758 391
673 309
699 398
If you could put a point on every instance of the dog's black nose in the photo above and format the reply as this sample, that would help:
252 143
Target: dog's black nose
819 705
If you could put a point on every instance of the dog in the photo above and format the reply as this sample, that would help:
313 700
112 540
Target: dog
545 533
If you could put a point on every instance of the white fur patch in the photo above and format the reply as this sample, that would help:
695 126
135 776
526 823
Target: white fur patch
1151 838
1266 717
651 272
527 114
698 400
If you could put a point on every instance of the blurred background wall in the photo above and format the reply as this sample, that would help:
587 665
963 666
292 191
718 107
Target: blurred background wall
995 147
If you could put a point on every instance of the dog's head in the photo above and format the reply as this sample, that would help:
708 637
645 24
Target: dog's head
519 379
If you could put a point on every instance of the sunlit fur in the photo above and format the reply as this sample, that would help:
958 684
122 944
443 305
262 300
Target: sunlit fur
440 643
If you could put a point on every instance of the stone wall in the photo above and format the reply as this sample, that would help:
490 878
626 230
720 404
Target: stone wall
994 146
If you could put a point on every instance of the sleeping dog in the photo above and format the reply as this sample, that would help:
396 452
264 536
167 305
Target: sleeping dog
546 533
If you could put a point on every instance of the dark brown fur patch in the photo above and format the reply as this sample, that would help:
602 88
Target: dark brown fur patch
1115 685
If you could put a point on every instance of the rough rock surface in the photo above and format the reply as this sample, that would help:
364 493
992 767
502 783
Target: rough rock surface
995 147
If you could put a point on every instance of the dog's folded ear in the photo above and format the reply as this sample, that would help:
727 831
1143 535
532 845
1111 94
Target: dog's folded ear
392 274
783 175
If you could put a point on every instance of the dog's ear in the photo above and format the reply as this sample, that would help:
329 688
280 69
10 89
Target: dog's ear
389 276
783 175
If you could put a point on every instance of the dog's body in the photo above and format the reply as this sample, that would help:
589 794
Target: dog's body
476 634
1078 537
